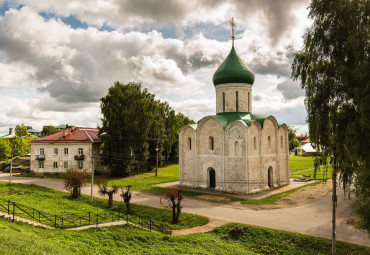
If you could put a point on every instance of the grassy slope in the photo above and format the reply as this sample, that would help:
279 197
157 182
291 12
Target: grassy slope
18 238
56 202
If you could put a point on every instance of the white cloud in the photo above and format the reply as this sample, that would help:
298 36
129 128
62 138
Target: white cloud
69 69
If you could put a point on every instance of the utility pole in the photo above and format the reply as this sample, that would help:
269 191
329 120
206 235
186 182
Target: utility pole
11 167
92 175
156 164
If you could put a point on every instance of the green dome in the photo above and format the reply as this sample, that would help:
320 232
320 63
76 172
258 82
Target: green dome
233 70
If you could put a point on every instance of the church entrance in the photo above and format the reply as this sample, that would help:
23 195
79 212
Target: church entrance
212 178
269 177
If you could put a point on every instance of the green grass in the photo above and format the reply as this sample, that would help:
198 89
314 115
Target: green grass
321 174
56 202
147 181
19 238
298 163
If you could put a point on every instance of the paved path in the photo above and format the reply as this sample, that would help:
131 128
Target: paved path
313 218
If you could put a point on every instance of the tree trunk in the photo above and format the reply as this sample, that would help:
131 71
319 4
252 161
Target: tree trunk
110 202
128 207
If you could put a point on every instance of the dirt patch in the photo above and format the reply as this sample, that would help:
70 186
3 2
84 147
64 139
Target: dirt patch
300 197
214 198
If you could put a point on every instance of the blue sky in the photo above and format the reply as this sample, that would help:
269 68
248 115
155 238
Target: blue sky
58 58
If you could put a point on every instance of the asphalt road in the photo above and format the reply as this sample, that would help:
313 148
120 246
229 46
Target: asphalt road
313 218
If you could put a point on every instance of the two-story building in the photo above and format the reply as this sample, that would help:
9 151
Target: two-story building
75 147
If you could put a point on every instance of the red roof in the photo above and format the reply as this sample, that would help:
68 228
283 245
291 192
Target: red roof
72 135
302 136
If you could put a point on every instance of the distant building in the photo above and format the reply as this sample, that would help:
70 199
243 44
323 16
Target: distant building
305 150
10 135
302 137
71 148
234 150
34 133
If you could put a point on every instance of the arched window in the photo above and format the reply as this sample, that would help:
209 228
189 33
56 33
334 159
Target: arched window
237 100
255 143
236 149
211 143
223 101
281 142
249 102
269 140
189 143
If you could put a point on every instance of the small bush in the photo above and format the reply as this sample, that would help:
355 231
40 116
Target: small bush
74 180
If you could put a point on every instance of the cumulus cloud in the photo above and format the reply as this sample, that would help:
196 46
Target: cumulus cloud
290 89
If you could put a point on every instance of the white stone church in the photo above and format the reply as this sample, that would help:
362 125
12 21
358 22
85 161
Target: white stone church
235 150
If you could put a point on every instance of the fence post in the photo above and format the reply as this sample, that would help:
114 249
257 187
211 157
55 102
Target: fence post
119 214
33 213
39 216
8 207
97 219
80 220
62 222
89 217
162 228
55 223
13 210
150 224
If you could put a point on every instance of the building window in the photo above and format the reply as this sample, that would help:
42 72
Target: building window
269 141
237 100
55 151
255 143
189 143
223 101
42 151
80 151
66 164
281 142
236 149
65 151
211 143
55 164
41 164
80 164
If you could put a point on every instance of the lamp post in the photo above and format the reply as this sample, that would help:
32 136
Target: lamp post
11 167
156 163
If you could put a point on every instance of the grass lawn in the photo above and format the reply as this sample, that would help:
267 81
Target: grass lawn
56 202
19 238
321 174
298 163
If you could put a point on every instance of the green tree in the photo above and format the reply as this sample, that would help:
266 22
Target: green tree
128 113
21 130
5 149
20 146
293 141
333 67
49 130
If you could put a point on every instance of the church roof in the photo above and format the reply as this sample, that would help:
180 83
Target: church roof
233 70
227 117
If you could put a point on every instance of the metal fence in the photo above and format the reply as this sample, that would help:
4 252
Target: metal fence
72 220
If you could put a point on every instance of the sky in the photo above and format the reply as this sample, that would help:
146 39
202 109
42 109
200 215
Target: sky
58 58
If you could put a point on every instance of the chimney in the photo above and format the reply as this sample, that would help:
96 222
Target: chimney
10 131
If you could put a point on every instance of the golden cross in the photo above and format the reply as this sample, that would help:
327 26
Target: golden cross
233 25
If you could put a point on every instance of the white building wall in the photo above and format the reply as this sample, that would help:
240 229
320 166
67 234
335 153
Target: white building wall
230 89
60 157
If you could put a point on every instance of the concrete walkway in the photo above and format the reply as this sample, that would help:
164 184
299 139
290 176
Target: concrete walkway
9 217
313 218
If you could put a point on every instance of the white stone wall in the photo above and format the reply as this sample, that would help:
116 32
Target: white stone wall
60 158
244 97
241 155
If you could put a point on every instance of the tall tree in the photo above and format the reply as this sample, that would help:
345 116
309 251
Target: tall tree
20 147
293 141
5 149
21 130
333 67
49 130
128 114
